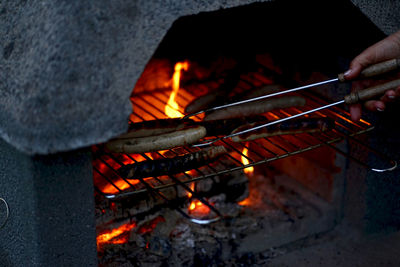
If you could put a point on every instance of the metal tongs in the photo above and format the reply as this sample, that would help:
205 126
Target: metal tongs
352 98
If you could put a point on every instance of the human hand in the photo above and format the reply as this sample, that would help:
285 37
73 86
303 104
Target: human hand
388 48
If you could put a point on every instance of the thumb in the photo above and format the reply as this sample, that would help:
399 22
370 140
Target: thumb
357 65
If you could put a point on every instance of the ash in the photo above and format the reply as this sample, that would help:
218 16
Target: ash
277 212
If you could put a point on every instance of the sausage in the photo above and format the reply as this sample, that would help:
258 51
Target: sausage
178 164
162 126
294 126
256 107
264 90
164 141
203 102
219 96
224 127
154 127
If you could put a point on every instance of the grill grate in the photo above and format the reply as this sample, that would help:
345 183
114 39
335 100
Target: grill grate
148 106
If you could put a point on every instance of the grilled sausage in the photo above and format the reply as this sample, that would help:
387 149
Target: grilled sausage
294 126
203 102
265 90
154 127
219 96
256 107
164 141
224 127
154 168
256 92
162 126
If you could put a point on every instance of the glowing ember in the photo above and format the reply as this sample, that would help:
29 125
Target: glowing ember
244 202
121 184
191 186
192 206
113 236
107 168
149 227
198 207
172 107
245 161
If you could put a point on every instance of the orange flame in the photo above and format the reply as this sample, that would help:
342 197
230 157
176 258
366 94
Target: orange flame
192 205
107 237
172 107
245 161
191 186
150 226
103 168
198 207
244 202
121 184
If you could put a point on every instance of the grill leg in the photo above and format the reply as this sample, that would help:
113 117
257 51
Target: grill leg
50 199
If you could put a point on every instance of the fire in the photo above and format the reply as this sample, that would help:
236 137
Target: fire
198 207
191 186
249 171
245 161
195 205
121 184
172 107
150 226
192 205
244 202
107 170
111 237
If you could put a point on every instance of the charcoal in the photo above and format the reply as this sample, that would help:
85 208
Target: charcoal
207 253
244 229
136 239
159 246
235 184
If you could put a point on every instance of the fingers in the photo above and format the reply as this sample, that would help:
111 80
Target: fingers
380 105
358 64
365 59
385 49
375 105
354 70
389 96
372 105
355 112
355 109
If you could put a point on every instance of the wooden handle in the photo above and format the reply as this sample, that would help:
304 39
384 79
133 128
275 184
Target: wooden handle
376 69
370 93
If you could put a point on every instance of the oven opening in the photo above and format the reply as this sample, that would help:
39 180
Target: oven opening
234 200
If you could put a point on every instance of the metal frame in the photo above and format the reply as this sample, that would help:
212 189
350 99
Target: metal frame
277 147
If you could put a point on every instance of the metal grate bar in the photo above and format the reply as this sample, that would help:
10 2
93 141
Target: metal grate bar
150 106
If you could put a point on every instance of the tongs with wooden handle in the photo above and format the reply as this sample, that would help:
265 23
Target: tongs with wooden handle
371 71
352 98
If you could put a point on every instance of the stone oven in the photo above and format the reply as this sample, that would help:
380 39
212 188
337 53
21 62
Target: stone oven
67 71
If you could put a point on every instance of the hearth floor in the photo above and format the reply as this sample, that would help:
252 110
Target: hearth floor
244 240
343 246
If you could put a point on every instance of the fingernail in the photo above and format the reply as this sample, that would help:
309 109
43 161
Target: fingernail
348 72
379 109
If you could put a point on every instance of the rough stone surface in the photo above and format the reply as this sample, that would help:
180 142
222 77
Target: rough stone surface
385 14
67 68
50 198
